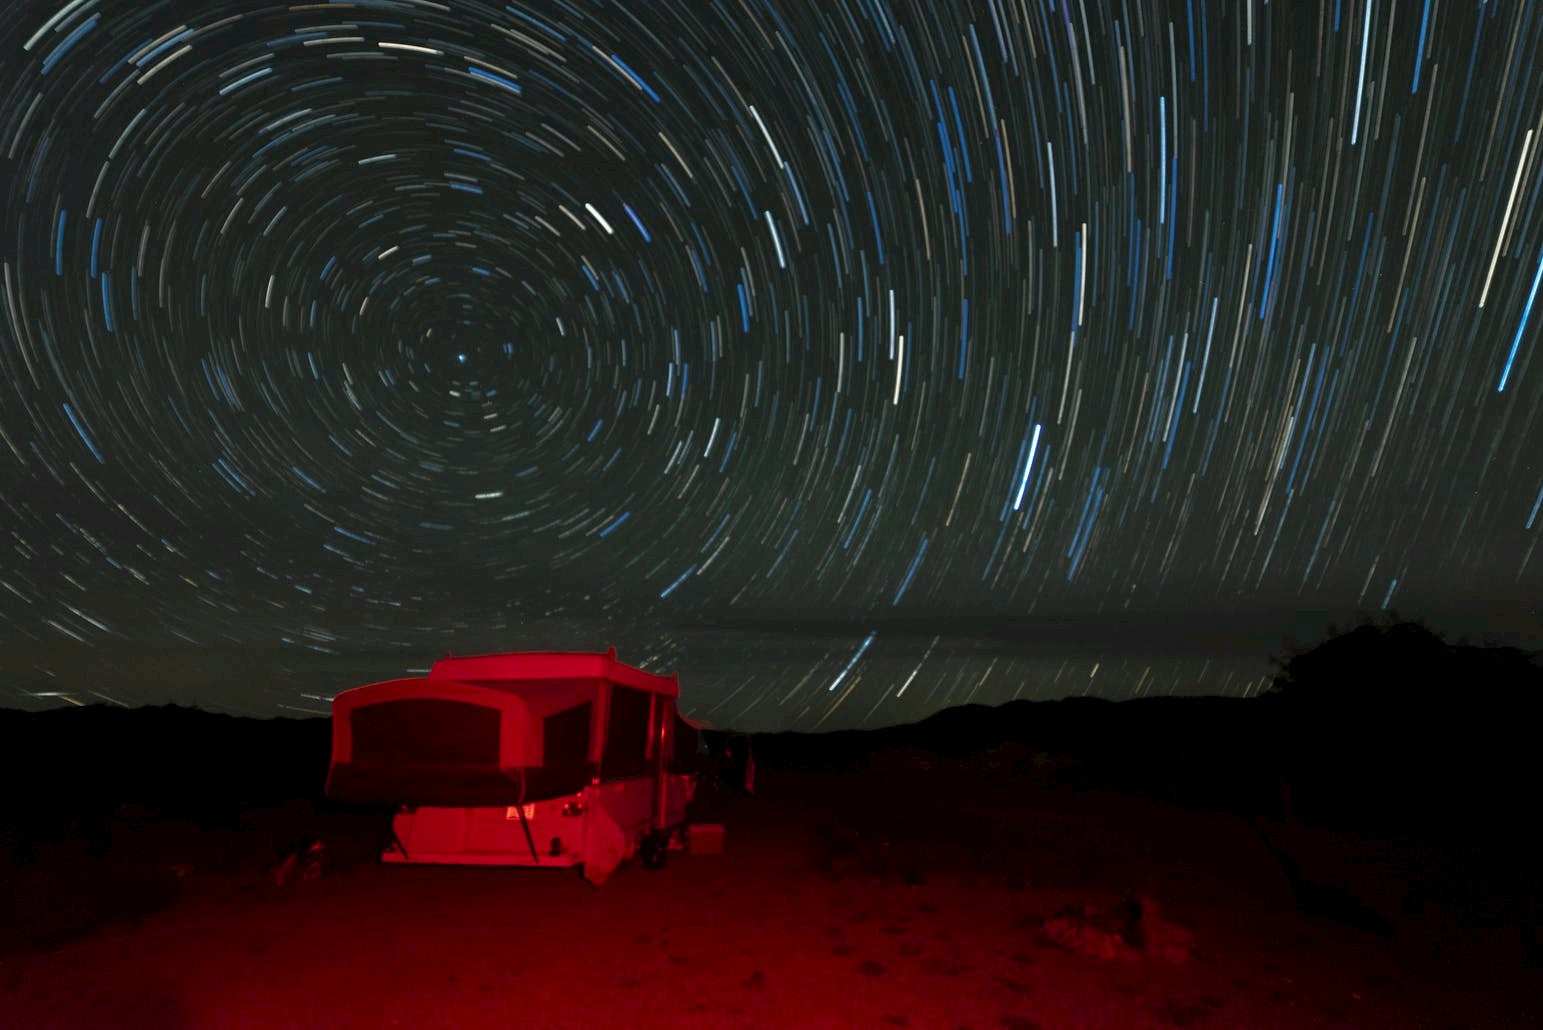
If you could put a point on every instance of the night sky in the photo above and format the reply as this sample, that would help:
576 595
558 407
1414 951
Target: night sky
854 358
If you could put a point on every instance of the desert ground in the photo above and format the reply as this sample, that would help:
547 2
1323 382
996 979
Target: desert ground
889 896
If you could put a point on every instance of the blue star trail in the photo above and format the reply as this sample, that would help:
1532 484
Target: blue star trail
385 329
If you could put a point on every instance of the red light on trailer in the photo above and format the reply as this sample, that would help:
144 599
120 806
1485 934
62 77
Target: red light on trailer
573 808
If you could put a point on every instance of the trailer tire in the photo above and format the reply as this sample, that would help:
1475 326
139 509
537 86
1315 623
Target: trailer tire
654 849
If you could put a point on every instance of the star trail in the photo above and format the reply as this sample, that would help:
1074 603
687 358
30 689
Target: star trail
842 355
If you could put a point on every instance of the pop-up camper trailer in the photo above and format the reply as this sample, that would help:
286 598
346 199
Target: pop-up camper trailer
535 759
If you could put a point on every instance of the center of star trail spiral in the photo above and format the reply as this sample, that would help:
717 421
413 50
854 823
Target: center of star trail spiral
360 324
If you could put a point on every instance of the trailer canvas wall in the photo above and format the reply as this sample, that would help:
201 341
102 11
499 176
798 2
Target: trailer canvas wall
523 758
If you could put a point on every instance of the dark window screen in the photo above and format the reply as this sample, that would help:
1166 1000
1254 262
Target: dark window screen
626 738
426 731
686 740
565 735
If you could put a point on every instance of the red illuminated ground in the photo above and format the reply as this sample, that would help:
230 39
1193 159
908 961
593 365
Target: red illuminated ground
938 927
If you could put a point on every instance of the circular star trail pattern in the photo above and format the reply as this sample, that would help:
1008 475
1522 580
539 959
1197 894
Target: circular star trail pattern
391 323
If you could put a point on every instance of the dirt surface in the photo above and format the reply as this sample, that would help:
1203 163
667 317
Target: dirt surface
839 901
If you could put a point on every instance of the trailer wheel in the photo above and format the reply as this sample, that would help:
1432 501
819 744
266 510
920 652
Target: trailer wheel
654 848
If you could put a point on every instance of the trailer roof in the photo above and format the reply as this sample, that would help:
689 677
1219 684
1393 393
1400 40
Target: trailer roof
513 667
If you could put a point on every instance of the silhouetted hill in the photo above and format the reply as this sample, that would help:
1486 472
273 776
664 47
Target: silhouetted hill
75 765
1201 751
1385 727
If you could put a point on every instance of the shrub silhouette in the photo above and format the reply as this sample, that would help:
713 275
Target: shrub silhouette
1389 726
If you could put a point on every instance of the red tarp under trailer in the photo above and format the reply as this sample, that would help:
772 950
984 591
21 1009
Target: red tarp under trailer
526 758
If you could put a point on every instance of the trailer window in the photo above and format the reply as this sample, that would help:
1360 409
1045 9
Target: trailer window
425 731
565 735
626 738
